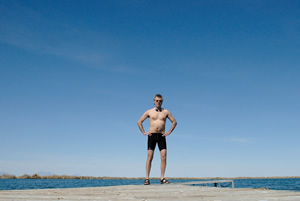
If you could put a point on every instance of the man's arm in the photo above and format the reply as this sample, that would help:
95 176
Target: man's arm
174 123
141 120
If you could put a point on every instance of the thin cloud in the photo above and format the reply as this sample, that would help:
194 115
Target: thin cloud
215 139
238 140
87 47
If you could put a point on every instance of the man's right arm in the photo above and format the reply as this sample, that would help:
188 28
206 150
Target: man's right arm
141 120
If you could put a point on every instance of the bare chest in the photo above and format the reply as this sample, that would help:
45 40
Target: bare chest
161 116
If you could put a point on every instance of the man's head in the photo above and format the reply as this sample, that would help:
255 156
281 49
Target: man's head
158 100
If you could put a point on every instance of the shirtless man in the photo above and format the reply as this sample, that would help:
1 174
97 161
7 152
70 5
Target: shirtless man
157 119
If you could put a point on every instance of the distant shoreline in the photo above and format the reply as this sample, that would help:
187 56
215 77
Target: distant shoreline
36 176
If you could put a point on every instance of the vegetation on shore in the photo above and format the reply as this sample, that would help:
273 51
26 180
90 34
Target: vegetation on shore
36 176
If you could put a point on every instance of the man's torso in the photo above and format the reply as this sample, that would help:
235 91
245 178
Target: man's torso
157 120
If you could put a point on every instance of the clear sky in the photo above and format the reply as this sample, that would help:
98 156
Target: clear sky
75 76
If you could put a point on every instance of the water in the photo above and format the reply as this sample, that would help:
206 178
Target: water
21 184
274 184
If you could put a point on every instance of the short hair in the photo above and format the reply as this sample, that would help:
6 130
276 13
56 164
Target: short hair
158 95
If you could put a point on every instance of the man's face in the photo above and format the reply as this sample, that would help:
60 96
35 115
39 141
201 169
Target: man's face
158 102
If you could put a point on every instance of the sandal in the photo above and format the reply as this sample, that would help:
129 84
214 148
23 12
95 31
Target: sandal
146 182
164 181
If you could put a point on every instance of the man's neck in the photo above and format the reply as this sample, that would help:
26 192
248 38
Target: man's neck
158 109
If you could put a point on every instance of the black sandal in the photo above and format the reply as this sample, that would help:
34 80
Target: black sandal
164 181
146 182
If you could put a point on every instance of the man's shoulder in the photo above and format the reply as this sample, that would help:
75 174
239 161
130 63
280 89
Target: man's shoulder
165 110
149 111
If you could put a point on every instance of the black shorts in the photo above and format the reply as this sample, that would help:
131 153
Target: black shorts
157 138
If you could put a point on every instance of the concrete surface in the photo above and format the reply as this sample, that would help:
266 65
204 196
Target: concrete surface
153 192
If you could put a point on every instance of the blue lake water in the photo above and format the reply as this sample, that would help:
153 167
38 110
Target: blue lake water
21 184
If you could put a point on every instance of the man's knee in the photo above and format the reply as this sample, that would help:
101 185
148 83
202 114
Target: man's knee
150 155
163 154
163 158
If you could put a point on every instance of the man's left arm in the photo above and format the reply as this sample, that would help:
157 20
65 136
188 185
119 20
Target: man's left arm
174 123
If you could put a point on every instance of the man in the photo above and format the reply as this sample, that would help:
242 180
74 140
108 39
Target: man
157 135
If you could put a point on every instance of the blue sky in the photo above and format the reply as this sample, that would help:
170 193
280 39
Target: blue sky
75 76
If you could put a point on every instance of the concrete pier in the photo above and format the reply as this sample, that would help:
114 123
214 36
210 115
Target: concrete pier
153 192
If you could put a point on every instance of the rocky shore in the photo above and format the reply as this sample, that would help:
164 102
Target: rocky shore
36 176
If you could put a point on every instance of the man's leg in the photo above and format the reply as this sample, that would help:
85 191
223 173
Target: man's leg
163 157
148 163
